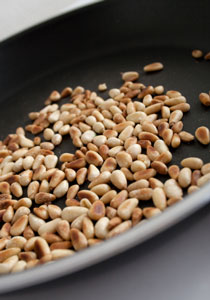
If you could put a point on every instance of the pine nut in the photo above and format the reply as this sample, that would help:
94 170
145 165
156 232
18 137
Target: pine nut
197 53
118 179
192 163
204 99
94 158
154 183
207 56
16 189
159 198
143 194
160 167
35 222
150 212
157 66
184 107
192 189
104 177
173 171
124 226
186 136
91 196
202 135
205 169
102 87
172 189
63 229
130 76
126 208
19 226
144 174
195 176
133 150
203 179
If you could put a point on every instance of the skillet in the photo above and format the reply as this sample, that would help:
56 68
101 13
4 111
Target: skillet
93 45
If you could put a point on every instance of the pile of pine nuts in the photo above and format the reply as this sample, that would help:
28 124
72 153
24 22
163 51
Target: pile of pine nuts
123 145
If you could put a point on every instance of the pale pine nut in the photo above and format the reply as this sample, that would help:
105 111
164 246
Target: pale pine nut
126 208
118 179
71 213
205 169
172 189
159 198
203 180
104 177
35 222
192 163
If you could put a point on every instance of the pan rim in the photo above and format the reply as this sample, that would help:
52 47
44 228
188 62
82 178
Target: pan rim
112 247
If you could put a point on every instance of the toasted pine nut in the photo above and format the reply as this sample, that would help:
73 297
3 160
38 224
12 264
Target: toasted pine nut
104 177
63 229
41 247
160 167
124 226
154 183
78 239
173 171
204 99
192 189
143 194
43 197
150 212
186 136
144 174
205 169
19 226
130 76
157 66
197 53
33 189
203 179
8 214
70 174
207 56
202 135
196 174
54 211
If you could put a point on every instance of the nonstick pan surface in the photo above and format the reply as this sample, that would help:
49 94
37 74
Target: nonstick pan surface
91 46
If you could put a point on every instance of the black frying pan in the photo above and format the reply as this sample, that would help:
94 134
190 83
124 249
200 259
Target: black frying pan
93 45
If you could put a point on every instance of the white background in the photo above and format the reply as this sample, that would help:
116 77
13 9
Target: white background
17 15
